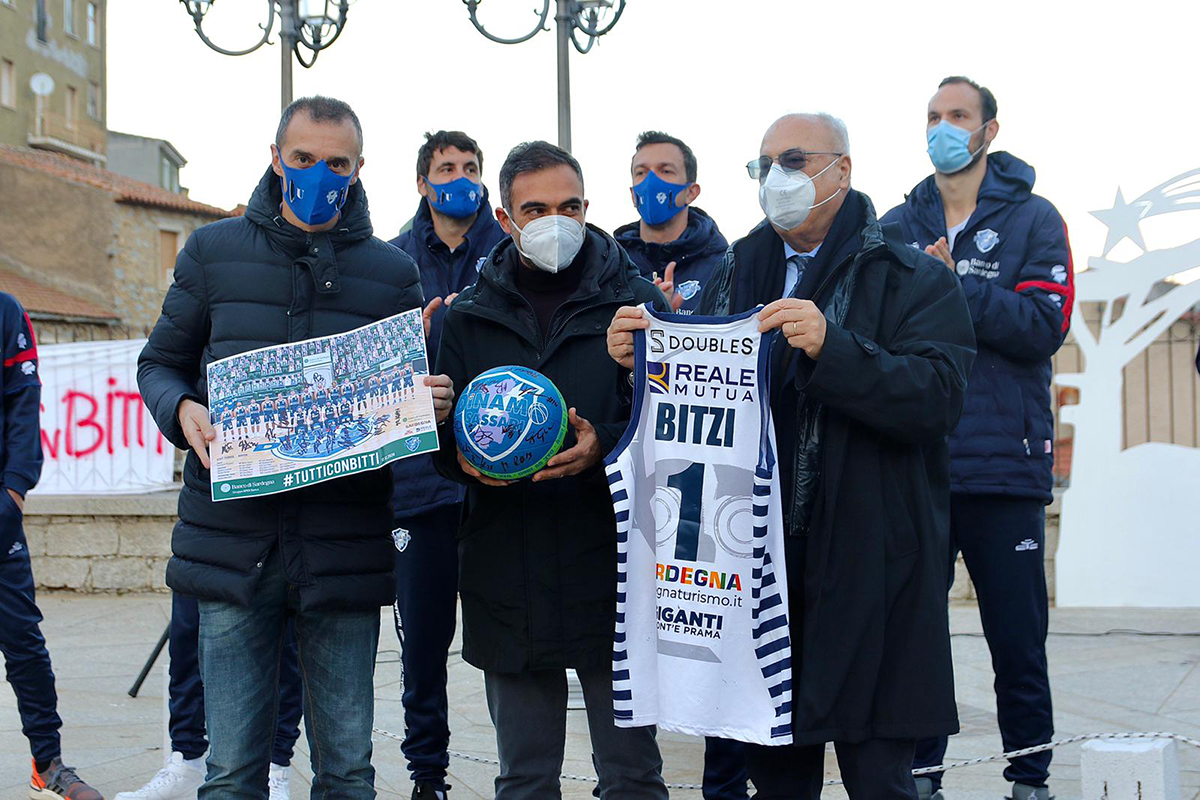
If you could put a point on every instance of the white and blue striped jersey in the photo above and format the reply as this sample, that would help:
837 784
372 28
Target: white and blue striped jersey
702 641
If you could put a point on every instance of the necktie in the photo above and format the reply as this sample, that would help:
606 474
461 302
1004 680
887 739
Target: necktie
800 262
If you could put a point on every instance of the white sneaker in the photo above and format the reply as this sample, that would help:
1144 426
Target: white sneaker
178 780
277 781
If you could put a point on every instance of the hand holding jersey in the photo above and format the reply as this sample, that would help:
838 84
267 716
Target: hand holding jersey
802 323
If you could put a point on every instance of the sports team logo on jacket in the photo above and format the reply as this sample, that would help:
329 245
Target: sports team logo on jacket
986 239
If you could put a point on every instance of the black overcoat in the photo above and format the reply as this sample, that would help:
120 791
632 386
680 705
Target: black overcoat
867 579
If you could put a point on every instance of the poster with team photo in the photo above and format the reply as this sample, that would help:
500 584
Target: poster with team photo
297 414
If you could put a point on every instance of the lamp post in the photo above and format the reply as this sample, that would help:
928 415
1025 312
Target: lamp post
311 24
572 19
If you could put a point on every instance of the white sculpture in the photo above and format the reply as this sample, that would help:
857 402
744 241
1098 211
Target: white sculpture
1130 525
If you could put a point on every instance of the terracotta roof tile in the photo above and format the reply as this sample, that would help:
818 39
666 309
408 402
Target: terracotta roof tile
124 189
44 300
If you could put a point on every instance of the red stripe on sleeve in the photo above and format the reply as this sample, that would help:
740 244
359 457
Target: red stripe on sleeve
1067 291
24 355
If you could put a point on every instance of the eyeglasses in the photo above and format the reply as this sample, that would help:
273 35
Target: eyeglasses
790 160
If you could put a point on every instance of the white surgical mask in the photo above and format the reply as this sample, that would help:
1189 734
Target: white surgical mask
550 242
786 198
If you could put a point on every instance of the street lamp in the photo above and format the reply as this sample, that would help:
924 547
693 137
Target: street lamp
572 17
315 24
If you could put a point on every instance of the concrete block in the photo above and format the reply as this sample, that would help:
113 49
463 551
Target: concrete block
89 538
35 537
62 573
961 590
1115 769
144 536
126 574
158 574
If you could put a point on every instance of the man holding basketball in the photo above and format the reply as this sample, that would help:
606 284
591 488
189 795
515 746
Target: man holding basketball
537 556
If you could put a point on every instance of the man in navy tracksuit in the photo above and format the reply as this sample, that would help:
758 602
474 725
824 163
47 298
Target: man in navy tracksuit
451 235
26 661
677 245
671 230
1009 248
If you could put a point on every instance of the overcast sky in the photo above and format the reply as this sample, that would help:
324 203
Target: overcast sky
1094 95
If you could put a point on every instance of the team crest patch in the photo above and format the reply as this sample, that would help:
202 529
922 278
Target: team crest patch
986 239
412 443
401 539
688 289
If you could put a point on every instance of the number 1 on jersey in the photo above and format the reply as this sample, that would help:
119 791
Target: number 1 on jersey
690 485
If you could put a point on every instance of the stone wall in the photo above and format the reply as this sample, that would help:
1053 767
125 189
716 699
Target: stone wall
57 233
139 283
100 544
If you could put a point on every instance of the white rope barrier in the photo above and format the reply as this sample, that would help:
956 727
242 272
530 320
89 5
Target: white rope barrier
1027 751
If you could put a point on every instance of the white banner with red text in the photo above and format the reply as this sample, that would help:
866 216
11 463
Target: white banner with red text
97 435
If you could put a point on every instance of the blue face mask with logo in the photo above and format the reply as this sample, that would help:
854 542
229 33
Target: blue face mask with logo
315 194
950 147
656 198
459 198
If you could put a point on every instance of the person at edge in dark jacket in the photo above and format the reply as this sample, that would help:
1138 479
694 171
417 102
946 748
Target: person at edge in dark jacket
26 660
867 380
451 235
1009 250
538 557
300 264
674 243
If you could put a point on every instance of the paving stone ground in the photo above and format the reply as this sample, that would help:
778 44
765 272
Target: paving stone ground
1100 684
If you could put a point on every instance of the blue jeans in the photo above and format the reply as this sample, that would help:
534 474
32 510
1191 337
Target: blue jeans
186 691
239 663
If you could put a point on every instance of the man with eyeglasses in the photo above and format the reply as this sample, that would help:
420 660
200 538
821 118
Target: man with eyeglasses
867 379
978 214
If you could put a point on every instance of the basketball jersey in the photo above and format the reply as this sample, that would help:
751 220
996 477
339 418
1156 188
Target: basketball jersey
702 644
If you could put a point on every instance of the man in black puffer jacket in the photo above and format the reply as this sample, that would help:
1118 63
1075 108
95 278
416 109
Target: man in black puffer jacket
322 555
538 557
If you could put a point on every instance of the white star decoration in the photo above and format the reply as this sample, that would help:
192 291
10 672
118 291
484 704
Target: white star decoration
1123 221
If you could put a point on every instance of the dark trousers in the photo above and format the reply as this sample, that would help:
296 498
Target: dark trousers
186 692
425 613
1003 541
26 661
877 769
529 711
724 769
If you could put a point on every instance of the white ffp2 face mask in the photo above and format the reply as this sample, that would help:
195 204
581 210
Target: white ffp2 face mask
550 242
787 199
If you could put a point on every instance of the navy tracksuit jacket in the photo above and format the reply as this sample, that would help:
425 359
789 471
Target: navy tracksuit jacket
696 253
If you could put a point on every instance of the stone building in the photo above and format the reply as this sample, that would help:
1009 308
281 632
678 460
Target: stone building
90 252
62 42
